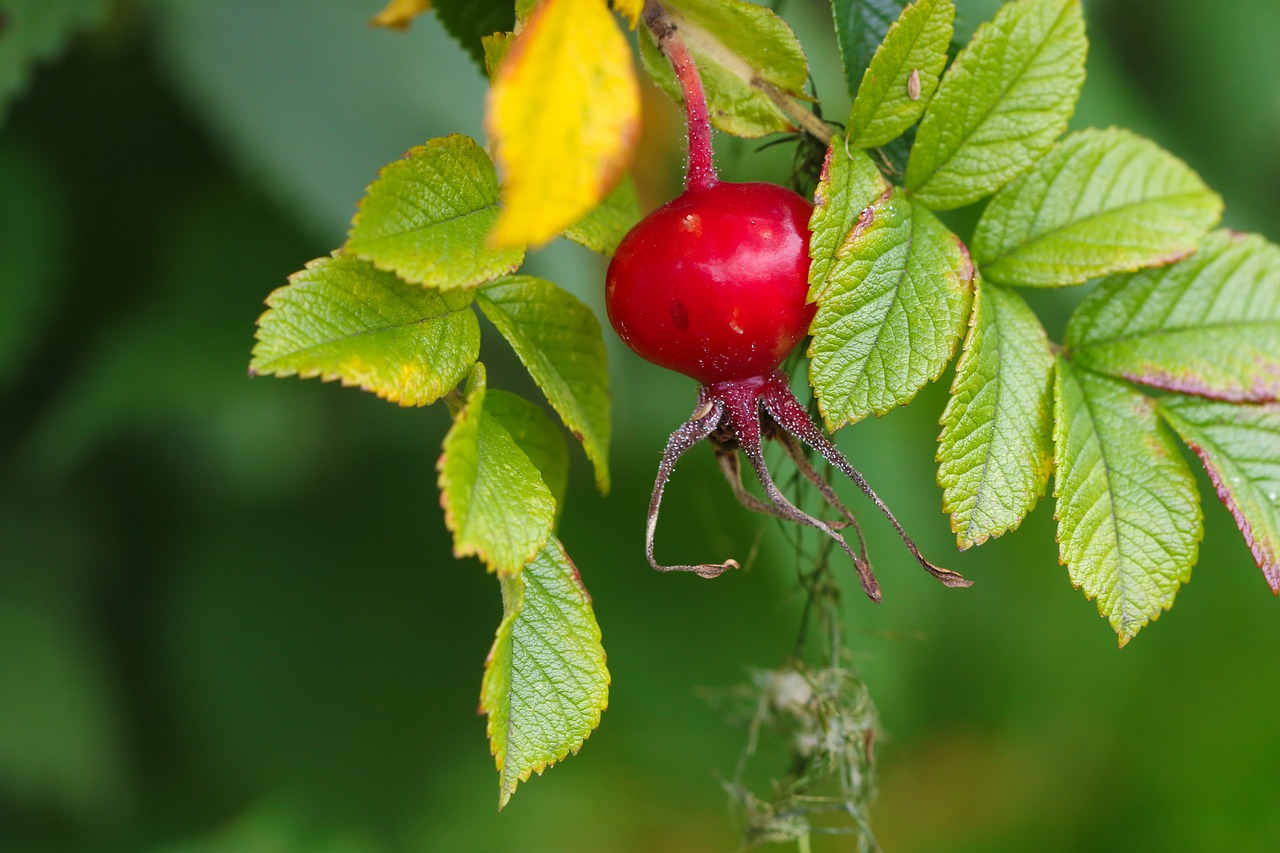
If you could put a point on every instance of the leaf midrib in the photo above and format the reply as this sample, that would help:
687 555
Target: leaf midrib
1015 249
897 291
1155 334
1107 469
397 235
359 334
994 103
874 106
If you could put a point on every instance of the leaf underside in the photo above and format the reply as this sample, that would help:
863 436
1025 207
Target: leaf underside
996 447
342 318
1102 202
1207 325
1129 523
740 48
545 682
1240 448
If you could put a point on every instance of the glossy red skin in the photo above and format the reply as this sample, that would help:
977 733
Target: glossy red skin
713 283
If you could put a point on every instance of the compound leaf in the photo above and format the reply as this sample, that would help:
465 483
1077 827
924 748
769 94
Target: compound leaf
861 26
889 321
1002 103
563 113
1240 448
842 209
427 215
493 497
342 318
1129 522
603 228
743 51
996 447
1103 201
558 340
545 682
903 73
1206 325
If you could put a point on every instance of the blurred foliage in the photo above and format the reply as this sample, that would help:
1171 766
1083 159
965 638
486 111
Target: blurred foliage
229 617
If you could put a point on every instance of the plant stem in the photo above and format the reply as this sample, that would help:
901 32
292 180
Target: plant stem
796 111
702 169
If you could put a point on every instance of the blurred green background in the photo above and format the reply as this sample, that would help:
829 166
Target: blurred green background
229 617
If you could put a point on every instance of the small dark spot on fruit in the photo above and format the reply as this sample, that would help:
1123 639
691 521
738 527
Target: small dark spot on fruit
679 315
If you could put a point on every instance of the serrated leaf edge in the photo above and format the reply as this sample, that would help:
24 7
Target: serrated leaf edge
328 376
1267 560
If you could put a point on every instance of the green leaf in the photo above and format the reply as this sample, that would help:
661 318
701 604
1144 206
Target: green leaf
545 682
849 186
341 318
496 46
427 217
860 27
1129 522
33 31
903 73
996 447
742 50
494 499
558 340
603 228
470 20
1103 201
1240 448
535 434
1207 325
890 321
1002 103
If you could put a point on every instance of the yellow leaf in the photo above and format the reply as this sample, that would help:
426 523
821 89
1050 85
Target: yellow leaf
629 9
563 114
398 14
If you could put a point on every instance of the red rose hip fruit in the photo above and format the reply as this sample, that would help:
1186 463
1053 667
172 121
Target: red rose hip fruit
713 283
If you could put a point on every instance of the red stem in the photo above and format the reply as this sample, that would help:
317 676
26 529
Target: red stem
702 169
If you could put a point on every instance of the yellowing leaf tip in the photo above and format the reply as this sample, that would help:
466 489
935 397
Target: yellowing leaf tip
563 114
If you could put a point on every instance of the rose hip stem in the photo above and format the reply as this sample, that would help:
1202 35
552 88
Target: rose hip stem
702 169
